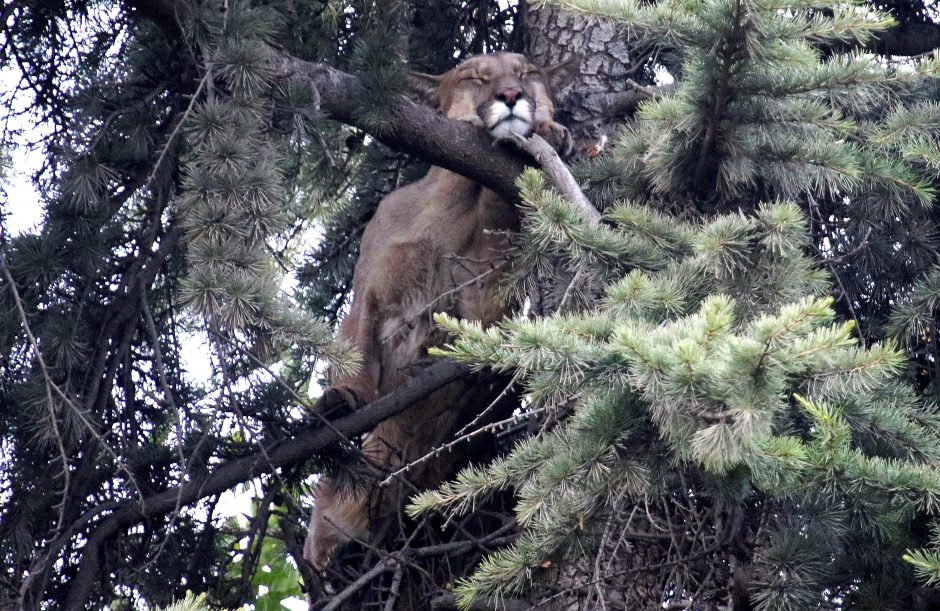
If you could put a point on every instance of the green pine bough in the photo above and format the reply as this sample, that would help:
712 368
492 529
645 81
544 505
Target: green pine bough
740 370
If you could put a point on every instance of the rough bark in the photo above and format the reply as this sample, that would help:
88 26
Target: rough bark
588 106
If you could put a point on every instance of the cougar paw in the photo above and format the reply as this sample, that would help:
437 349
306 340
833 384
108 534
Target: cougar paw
557 135
336 402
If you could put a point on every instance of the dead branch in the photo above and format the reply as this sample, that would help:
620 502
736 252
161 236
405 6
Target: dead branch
448 600
558 173
387 564
625 103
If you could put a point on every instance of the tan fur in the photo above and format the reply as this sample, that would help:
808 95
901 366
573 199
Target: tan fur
437 245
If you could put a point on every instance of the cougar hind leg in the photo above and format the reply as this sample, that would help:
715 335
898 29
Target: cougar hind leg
337 517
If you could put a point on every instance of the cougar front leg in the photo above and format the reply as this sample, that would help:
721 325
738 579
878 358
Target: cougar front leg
348 392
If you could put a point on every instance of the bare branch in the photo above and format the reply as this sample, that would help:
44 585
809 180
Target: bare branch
558 172
448 600
625 103
291 451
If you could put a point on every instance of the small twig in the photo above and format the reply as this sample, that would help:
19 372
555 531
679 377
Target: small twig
50 385
405 556
386 564
448 600
453 443
627 571
176 129
233 403
479 417
171 403
605 538
283 384
569 290
430 305
830 263
396 586
861 245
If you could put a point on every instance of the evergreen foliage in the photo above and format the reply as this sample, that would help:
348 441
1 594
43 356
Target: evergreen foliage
660 380
232 200
760 113
711 356
718 413
177 169
190 603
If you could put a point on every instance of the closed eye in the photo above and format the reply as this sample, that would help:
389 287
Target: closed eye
475 80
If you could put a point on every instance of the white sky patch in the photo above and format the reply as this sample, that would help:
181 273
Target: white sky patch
22 206
294 604
236 502
662 76
196 356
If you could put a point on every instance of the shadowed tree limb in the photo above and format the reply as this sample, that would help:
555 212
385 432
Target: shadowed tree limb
908 39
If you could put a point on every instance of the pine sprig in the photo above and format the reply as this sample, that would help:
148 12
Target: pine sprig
234 198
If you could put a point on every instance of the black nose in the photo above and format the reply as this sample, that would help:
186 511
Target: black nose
509 96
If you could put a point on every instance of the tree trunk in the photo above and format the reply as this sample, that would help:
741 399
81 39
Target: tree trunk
588 105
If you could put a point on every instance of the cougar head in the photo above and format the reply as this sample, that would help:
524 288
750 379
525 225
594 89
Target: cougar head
502 92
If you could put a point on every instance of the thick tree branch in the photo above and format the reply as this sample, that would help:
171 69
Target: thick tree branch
288 452
412 128
457 146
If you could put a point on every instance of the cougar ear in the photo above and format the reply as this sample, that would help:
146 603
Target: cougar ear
424 85
561 75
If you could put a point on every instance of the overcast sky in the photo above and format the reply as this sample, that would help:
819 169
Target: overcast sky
22 203
23 207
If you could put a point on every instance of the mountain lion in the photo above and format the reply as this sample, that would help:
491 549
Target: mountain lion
437 245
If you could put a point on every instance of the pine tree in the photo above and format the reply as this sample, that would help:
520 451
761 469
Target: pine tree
708 418
721 435
720 382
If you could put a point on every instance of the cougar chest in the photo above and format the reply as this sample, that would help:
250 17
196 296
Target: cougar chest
441 246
